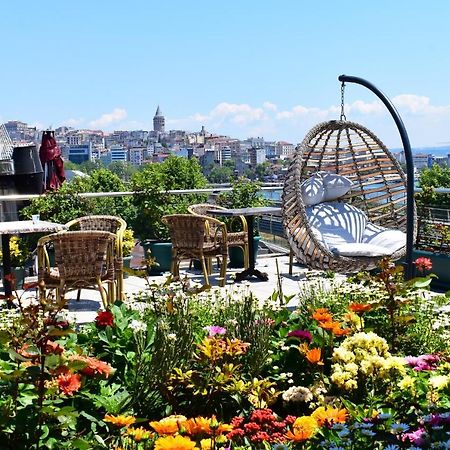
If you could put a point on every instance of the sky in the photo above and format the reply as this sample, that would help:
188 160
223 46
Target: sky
242 68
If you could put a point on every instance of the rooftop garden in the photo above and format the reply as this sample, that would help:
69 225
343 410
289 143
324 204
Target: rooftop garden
362 364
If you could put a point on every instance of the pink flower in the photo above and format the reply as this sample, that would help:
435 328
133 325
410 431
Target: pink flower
301 334
422 362
214 330
416 437
423 264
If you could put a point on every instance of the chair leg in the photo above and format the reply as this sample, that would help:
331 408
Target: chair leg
246 256
291 261
103 293
205 270
223 269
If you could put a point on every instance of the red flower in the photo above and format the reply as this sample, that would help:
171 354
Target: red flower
104 319
423 264
93 366
70 383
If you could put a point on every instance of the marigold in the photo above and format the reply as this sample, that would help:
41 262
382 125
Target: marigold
169 425
303 428
139 434
204 425
69 383
120 421
322 315
329 326
359 307
329 416
174 443
314 355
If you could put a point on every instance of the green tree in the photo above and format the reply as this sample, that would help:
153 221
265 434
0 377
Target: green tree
221 174
124 170
430 179
151 199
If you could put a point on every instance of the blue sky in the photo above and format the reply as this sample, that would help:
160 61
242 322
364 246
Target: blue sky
241 68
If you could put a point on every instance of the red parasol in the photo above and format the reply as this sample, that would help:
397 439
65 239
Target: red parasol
52 162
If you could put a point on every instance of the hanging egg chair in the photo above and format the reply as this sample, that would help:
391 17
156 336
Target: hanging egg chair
344 199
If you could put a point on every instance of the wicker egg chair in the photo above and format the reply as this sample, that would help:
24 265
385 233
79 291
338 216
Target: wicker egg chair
379 190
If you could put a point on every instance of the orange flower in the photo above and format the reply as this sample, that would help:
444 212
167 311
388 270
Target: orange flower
338 331
139 434
329 326
203 425
303 428
69 383
314 355
329 416
169 425
120 421
322 315
359 307
174 443
93 366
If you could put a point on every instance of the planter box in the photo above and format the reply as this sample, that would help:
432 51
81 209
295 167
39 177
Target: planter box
441 267
162 252
236 255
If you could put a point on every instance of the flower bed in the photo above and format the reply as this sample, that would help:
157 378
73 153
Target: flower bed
364 365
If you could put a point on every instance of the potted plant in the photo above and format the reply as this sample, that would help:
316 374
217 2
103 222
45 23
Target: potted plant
244 194
19 254
153 201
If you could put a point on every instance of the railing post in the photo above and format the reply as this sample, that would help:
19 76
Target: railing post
409 167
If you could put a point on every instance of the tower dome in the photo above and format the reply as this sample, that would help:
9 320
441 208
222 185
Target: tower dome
159 121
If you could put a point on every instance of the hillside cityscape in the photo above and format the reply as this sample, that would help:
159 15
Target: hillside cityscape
221 157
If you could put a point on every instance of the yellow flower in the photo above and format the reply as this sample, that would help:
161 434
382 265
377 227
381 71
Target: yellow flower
120 421
139 434
303 428
314 356
174 443
438 381
169 425
406 383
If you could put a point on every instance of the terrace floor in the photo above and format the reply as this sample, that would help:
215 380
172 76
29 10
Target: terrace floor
86 308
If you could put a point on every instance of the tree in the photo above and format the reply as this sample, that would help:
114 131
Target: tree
220 174
430 179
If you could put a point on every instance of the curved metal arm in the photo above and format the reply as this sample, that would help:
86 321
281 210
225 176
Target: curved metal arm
409 167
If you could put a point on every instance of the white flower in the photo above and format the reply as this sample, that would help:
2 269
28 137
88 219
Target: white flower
297 394
172 337
137 325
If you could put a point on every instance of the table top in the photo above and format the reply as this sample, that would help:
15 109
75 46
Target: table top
254 211
29 226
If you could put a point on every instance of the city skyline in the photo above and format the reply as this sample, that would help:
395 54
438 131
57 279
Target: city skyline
251 69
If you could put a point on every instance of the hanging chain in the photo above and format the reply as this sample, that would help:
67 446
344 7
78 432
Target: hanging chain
342 102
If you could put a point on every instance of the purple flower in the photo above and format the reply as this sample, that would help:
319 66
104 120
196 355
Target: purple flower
214 330
301 334
416 437
422 362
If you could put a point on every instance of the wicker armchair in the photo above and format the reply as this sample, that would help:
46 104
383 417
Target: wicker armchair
84 260
192 238
234 239
112 224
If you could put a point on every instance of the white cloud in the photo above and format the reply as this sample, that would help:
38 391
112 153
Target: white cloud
418 104
107 119
270 106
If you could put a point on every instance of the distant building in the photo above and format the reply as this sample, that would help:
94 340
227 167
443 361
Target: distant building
159 122
422 160
79 153
284 149
137 155
257 156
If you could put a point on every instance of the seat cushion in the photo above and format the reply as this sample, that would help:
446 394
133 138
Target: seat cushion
360 249
392 240
336 223
335 185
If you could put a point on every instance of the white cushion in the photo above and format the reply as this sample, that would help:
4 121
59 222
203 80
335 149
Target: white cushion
312 190
360 249
337 223
392 240
335 185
